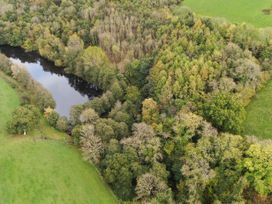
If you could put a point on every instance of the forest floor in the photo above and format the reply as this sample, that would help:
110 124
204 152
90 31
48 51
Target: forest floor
255 12
44 171
259 114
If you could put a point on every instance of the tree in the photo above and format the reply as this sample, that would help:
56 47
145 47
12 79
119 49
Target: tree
188 125
258 167
196 173
75 113
229 183
145 143
119 175
91 145
213 165
116 90
89 116
62 124
105 130
74 46
5 7
37 94
51 47
225 112
149 186
169 78
133 100
24 119
52 117
5 65
76 135
119 114
150 111
137 71
94 66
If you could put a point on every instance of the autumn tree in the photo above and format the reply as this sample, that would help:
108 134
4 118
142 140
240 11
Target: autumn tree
149 188
150 111
91 145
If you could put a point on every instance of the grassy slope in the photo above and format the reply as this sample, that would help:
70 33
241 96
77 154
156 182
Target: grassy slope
259 114
249 11
39 171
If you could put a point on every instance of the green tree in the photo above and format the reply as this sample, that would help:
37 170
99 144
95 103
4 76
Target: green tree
5 65
150 112
225 112
137 71
119 175
24 119
258 167
89 116
75 113
74 46
62 124
52 118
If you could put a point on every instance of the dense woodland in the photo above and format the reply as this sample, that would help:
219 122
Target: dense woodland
168 127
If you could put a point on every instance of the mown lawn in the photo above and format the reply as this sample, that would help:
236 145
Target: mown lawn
34 171
259 114
238 11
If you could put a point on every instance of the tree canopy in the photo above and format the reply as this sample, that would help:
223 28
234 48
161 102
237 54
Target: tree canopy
165 129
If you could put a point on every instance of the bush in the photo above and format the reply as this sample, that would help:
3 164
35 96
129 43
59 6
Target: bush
24 119
62 124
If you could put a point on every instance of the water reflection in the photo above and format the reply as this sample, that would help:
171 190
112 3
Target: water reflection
66 89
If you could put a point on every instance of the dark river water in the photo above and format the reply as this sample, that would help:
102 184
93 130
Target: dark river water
66 89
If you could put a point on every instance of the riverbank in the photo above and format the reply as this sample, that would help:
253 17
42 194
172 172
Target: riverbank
67 90
34 170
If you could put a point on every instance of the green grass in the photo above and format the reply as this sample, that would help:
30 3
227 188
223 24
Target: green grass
34 171
8 102
238 11
259 114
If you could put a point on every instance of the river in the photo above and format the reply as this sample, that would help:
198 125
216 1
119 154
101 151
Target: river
66 89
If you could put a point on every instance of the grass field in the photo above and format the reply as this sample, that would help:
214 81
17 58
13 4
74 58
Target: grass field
259 114
44 171
238 11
